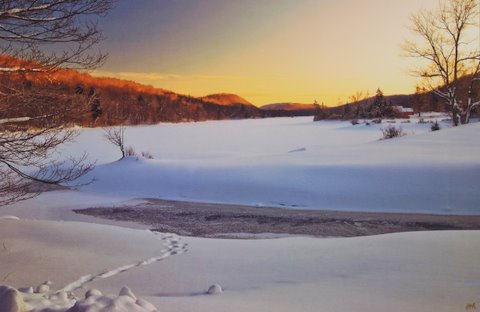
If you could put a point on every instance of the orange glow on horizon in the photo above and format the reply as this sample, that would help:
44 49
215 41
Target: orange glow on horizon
266 52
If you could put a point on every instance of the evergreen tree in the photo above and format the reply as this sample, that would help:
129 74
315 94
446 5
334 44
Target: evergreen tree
322 112
379 104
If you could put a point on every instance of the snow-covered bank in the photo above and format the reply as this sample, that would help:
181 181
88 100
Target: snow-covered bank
74 255
59 205
335 165
429 271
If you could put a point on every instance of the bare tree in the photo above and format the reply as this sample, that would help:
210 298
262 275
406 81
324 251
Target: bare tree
360 98
116 136
25 158
42 36
27 26
449 46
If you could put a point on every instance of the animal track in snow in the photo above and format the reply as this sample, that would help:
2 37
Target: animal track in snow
173 246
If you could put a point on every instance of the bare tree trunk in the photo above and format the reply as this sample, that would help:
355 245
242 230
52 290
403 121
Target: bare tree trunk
116 136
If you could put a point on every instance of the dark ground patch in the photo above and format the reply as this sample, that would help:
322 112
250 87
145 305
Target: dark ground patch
214 220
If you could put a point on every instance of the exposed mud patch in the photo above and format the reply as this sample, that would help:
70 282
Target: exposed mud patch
215 220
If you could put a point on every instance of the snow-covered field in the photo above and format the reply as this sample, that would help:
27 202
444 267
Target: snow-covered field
284 162
429 271
294 162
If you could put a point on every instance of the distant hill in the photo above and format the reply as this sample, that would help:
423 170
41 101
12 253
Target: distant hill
225 99
404 100
289 109
288 106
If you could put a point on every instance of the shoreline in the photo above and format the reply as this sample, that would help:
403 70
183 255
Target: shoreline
247 222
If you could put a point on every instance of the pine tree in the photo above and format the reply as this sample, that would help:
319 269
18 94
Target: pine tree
379 104
322 112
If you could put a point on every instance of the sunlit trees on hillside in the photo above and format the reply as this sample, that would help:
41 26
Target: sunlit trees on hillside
44 36
448 43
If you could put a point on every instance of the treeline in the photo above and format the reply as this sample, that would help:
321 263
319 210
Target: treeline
74 98
113 106
381 106
83 100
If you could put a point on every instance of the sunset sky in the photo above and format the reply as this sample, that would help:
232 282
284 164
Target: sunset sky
266 51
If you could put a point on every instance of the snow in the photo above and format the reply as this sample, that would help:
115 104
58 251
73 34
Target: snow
13 120
14 301
403 109
74 255
9 218
294 162
421 271
71 264
215 289
59 205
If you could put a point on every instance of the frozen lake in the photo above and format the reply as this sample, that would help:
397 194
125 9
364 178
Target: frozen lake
293 162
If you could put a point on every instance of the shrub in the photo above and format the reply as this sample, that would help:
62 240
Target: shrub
392 132
130 151
354 122
377 121
147 155
435 126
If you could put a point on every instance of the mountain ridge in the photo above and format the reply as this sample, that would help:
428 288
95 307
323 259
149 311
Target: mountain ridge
225 99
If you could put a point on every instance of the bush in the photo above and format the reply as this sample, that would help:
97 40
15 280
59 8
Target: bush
354 122
377 121
147 155
130 151
391 132
435 126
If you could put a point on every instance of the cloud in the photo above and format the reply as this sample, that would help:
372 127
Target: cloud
151 77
